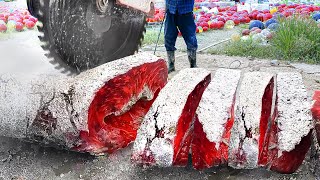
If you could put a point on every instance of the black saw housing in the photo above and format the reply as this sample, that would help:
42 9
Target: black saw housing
78 36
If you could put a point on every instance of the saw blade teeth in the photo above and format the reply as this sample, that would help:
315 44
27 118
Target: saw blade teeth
40 34
41 29
42 39
40 24
49 55
64 71
55 15
46 47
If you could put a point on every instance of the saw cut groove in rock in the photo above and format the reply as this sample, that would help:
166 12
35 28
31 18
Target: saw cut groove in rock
212 128
253 110
165 135
97 111
294 124
316 113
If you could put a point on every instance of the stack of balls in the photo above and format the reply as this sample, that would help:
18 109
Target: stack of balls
15 20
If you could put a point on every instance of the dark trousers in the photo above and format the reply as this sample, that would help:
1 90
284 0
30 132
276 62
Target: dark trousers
187 27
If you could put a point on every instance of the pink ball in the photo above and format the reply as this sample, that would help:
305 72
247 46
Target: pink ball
33 19
3 28
19 26
30 24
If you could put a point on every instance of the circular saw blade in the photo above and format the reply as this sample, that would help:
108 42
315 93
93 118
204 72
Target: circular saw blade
78 37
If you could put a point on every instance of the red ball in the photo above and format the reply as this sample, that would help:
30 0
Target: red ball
30 24
35 20
3 19
3 28
26 17
260 16
19 26
220 24
236 21
19 20
214 25
248 20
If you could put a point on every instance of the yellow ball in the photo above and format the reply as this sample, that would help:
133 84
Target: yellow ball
229 24
200 29
11 25
235 37
273 10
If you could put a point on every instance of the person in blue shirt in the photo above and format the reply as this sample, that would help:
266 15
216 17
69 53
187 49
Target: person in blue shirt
179 16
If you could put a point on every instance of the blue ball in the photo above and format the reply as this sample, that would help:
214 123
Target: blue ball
270 21
273 26
256 23
316 16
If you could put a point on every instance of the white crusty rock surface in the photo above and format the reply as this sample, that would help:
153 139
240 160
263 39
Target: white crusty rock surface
249 105
164 114
22 96
217 100
295 118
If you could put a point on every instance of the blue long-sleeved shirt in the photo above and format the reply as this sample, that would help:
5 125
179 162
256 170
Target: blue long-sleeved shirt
180 6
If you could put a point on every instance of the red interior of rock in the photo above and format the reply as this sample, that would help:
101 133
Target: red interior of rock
288 162
264 122
224 145
180 157
316 113
112 127
204 153
240 157
183 155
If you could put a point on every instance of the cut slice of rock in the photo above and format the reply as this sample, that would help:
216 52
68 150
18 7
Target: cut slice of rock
290 135
165 135
316 113
212 128
98 111
252 112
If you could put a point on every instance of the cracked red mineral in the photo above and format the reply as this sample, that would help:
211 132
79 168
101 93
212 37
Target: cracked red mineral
287 162
316 113
184 131
264 139
119 106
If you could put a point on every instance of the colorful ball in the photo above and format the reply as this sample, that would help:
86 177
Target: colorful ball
19 26
30 24
3 28
229 24
200 29
270 21
11 25
256 23
235 37
273 26
258 38
316 16
278 16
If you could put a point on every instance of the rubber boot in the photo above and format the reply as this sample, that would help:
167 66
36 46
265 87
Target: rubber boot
171 60
192 56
